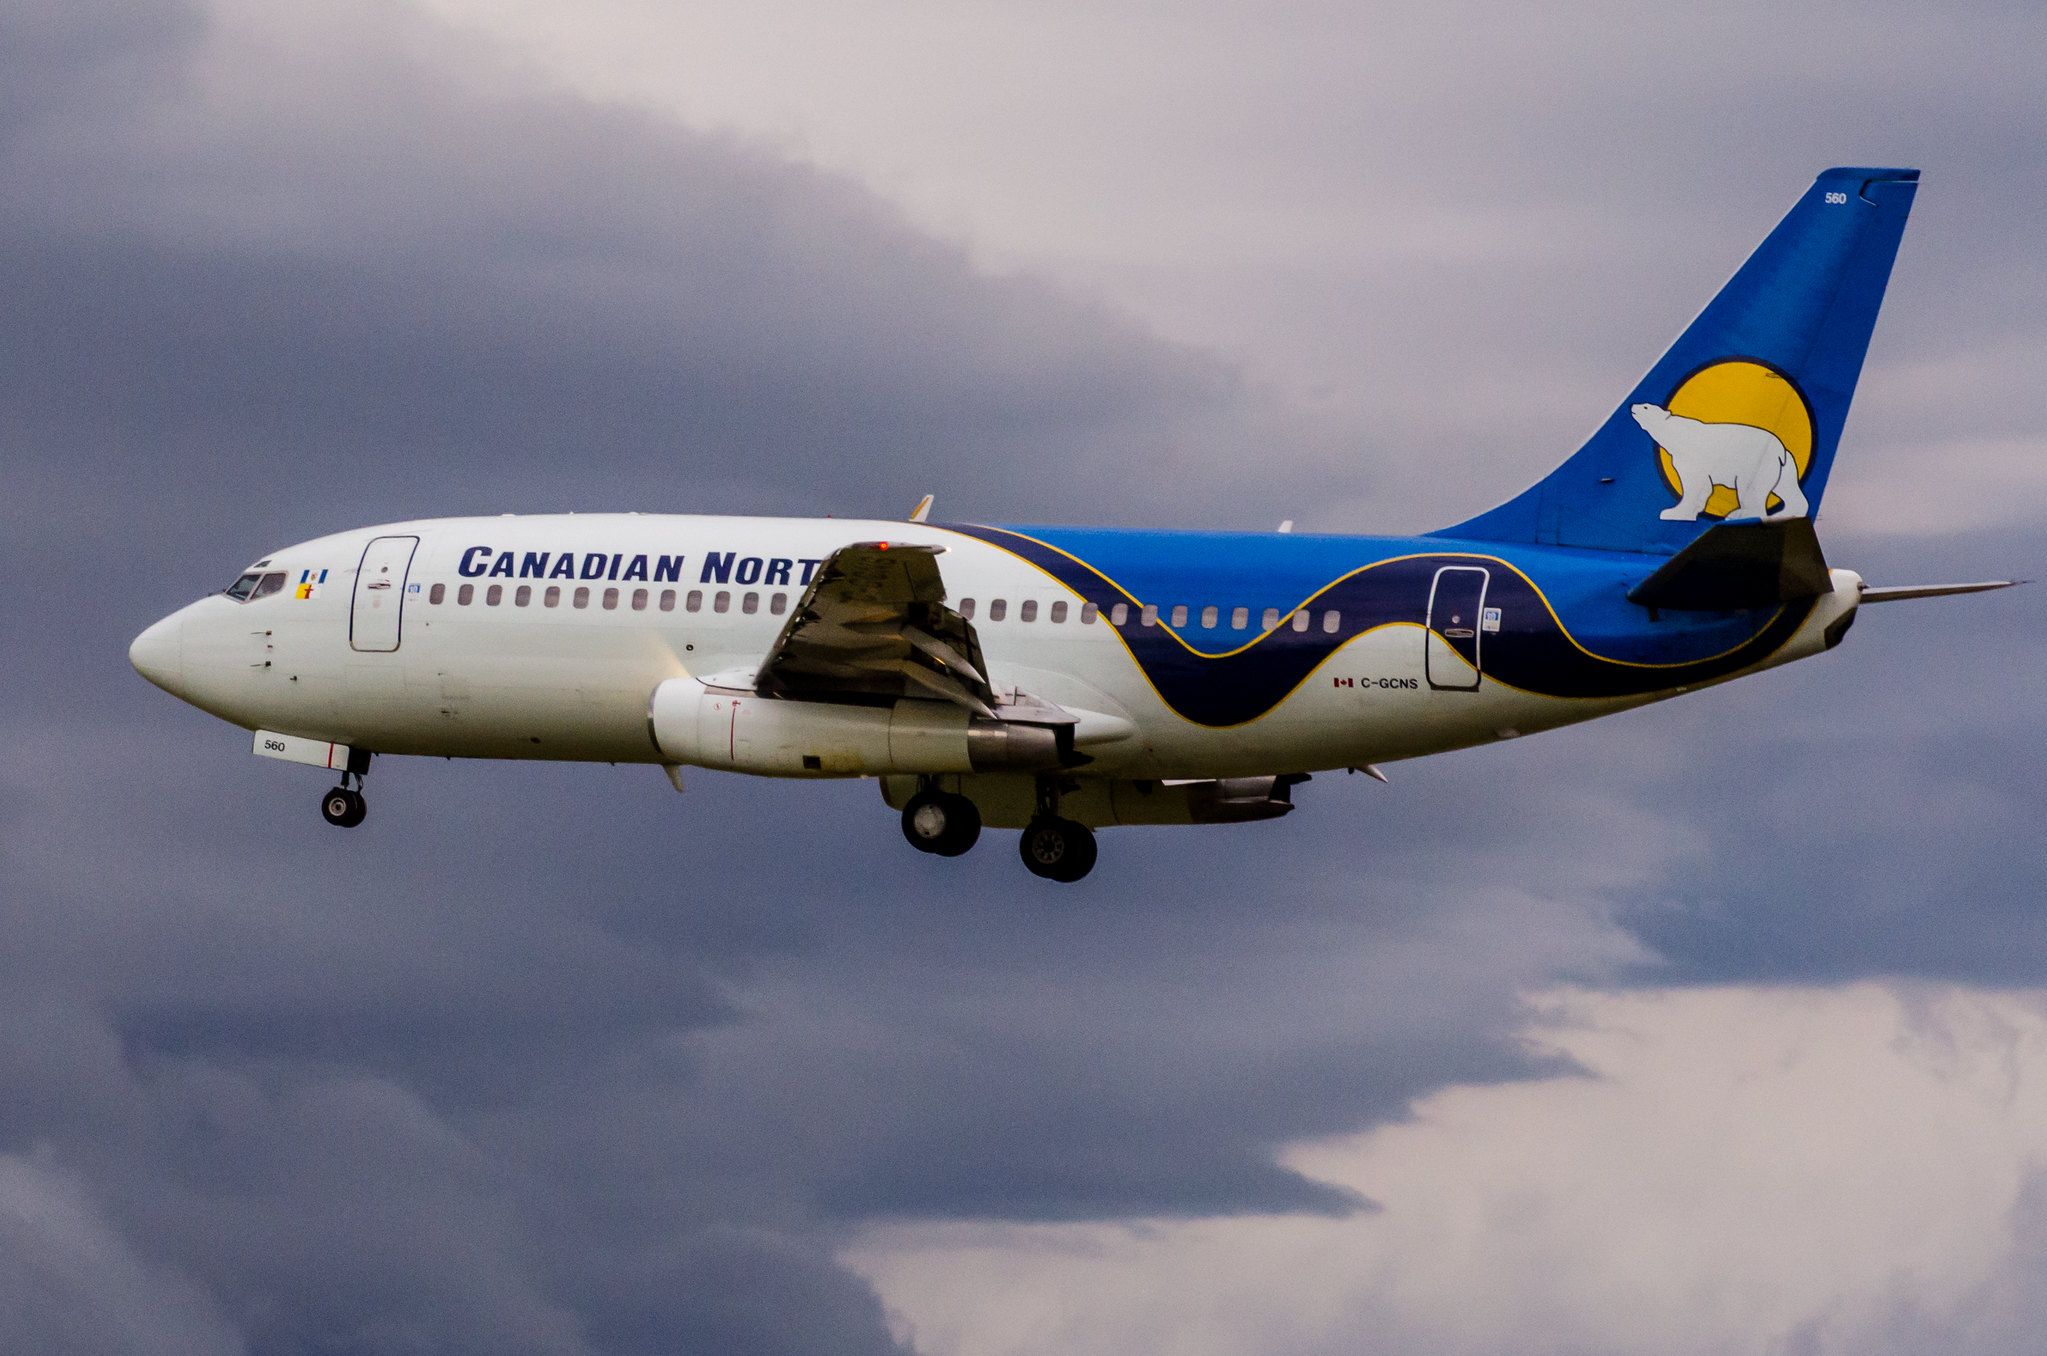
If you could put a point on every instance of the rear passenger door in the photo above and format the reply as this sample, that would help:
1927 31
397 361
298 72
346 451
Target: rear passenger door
1452 661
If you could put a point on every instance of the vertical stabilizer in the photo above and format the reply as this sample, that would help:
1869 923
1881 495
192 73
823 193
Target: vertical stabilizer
1739 420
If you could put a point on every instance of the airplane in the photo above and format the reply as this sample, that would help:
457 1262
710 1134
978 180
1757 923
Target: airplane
1059 680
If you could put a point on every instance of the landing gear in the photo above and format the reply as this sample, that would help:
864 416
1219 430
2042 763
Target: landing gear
344 807
946 824
1057 849
942 823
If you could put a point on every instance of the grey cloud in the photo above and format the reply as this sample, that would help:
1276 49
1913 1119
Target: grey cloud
550 1059
386 279
70 1282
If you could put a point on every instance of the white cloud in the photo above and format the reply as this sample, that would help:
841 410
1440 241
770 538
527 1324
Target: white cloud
1741 1168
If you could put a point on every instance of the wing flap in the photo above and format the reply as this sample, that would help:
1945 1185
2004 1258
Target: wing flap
873 625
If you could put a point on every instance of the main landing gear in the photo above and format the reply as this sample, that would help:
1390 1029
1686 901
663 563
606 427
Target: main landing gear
344 806
1057 849
1053 847
941 823
946 825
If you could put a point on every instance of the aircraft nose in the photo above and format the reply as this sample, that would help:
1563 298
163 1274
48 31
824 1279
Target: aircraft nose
158 654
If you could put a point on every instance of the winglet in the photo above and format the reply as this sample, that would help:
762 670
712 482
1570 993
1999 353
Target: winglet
923 509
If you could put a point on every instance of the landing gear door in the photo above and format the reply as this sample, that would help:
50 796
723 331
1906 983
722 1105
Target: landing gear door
379 603
1452 660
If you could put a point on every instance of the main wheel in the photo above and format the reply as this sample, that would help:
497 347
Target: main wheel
1057 849
941 823
344 808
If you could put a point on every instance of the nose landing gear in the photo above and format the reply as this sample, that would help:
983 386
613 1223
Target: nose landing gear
344 806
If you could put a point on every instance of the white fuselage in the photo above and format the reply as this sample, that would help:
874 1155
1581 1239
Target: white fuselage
508 665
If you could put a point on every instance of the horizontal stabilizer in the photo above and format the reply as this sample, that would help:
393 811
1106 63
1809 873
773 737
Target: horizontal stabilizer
1740 565
1901 592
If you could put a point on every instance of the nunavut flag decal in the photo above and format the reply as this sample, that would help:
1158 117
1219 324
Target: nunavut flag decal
309 583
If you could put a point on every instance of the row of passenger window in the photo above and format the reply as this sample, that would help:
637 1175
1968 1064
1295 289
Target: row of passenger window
523 596
1148 615
494 595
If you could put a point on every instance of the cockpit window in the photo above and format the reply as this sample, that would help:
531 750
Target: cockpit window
252 586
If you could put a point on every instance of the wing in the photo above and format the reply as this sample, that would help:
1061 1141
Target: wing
873 625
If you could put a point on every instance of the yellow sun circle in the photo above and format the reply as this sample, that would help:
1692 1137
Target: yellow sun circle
1742 392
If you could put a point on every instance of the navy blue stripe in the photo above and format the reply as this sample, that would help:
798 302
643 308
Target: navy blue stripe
1531 652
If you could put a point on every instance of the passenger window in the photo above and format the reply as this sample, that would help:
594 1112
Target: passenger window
582 598
494 595
966 608
750 604
553 596
1332 620
610 599
1059 610
721 602
639 600
1180 615
523 596
1150 615
1088 613
778 603
1028 611
997 609
436 593
1208 616
668 600
465 595
1301 620
269 584
1270 620
1119 614
695 601
1240 617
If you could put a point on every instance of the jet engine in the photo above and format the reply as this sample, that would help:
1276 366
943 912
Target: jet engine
736 730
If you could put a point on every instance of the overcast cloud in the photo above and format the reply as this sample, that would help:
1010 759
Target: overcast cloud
548 1059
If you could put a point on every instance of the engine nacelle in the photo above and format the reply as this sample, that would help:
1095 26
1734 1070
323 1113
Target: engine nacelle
738 731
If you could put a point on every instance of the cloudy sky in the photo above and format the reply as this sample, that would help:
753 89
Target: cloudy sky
1720 1025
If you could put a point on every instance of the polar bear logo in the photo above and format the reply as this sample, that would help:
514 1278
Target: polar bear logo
1748 460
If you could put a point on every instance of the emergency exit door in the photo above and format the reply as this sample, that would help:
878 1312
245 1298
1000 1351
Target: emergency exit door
379 605
1455 627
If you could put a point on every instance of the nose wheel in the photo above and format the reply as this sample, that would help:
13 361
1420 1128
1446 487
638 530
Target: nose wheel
344 806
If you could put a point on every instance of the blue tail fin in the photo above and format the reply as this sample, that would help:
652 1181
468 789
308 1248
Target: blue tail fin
1740 419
